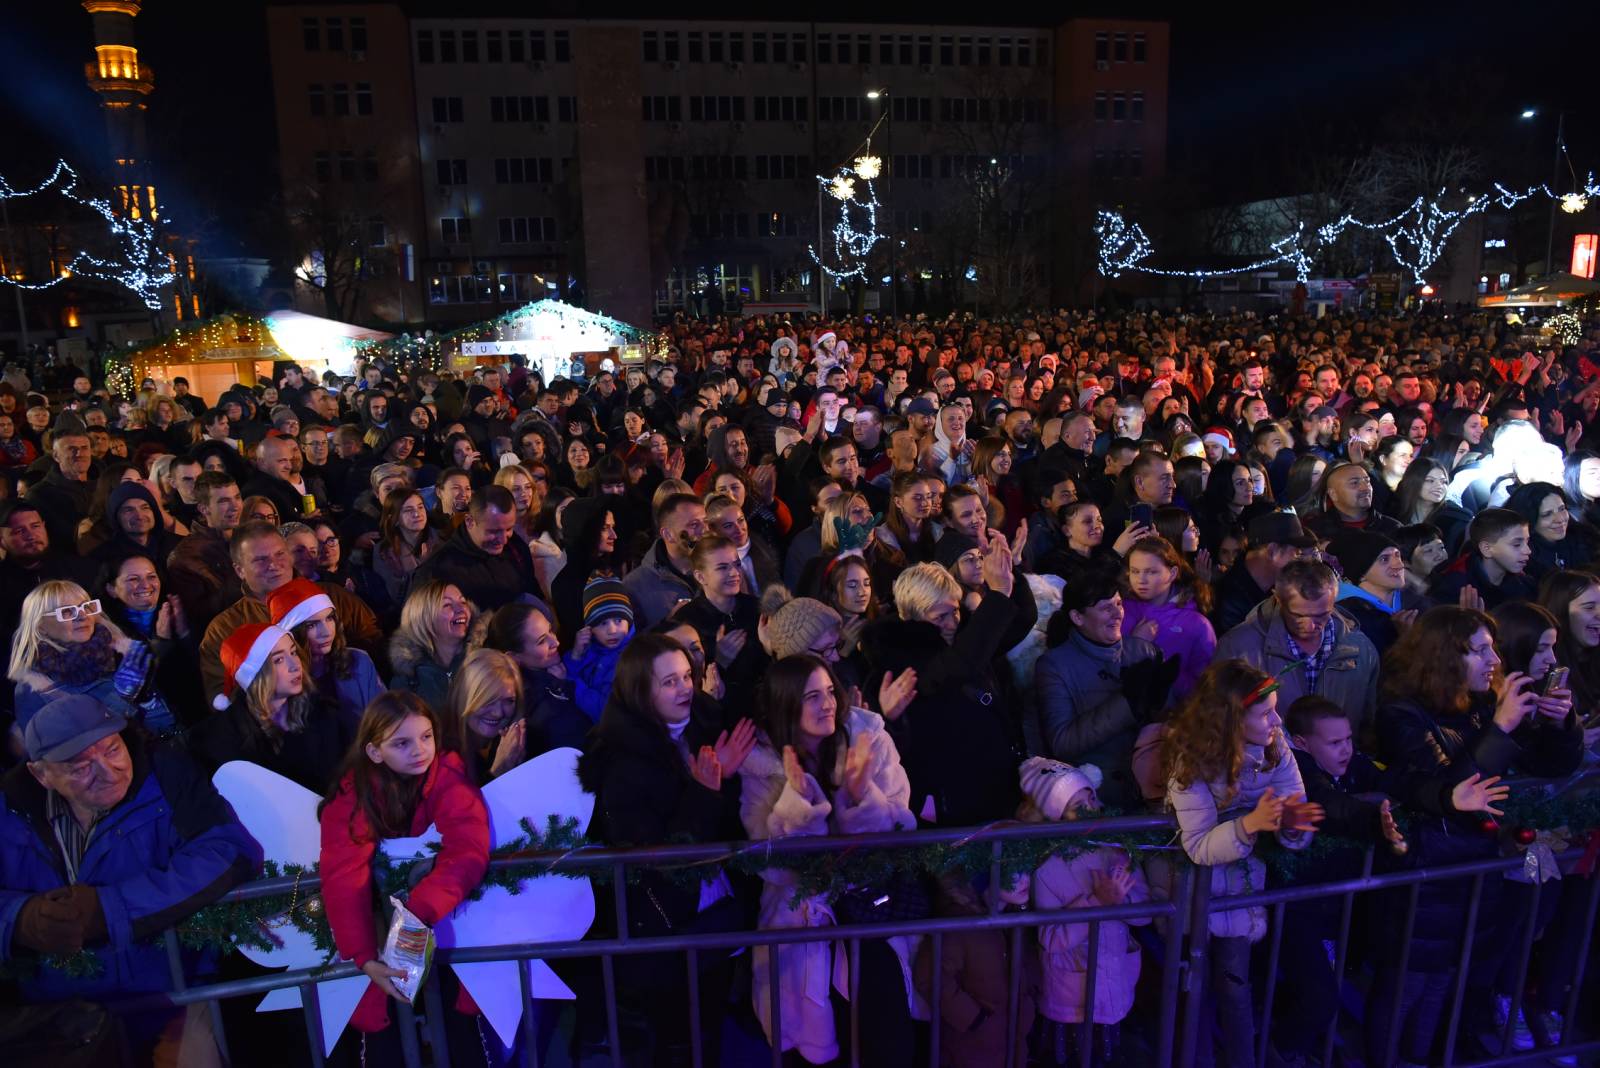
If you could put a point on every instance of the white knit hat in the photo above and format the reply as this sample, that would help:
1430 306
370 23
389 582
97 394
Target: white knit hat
1050 784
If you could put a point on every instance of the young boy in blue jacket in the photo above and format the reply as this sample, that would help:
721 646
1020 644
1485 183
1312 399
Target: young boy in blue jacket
607 627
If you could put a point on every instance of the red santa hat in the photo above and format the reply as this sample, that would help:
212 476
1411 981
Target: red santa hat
1218 435
244 654
297 601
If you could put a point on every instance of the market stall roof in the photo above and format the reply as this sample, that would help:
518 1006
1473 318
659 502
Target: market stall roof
1551 291
320 342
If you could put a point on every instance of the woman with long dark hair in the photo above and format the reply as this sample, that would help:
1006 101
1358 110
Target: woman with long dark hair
1230 490
1420 497
660 774
820 767
1448 712
1573 598
1555 540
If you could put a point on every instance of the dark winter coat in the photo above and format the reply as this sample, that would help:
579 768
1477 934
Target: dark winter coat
957 740
488 580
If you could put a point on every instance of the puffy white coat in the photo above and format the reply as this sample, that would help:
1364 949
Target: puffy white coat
1211 828
771 808
1064 947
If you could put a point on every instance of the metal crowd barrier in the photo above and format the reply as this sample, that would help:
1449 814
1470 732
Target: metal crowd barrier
1183 966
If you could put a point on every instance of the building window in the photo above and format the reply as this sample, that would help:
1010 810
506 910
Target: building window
377 232
1119 107
778 224
886 49
697 47
567 108
563 46
322 167
521 170
716 109
369 165
335 31
1024 52
494 47
1139 48
451 171
925 49
824 48
843 53
1119 47
1136 163
663 108
447 46
651 42
519 288
447 109
1136 107
983 51
736 47
519 109
424 46
318 98
341 98
536 46
669 46
524 229
947 51
358 35
455 230
446 288
469 46
363 98
516 47
311 34
347 166
1002 51
1102 47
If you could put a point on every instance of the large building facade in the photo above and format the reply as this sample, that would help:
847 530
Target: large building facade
447 168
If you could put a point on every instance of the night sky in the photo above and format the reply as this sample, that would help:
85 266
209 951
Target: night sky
1253 93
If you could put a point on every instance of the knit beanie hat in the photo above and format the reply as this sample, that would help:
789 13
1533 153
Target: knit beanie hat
477 394
244 654
297 601
795 628
951 547
1357 550
604 598
1050 784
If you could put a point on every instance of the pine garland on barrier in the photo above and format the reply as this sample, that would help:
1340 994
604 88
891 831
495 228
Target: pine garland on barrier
230 923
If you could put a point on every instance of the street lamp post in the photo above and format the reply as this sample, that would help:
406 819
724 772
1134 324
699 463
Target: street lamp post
1555 180
888 196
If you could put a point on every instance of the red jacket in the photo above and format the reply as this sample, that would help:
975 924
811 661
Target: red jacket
450 801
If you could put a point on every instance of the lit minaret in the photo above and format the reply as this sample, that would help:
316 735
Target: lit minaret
123 83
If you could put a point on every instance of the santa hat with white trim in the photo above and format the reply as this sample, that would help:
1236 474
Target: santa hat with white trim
244 654
297 601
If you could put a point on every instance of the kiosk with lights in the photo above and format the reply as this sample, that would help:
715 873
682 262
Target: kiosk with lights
216 354
550 335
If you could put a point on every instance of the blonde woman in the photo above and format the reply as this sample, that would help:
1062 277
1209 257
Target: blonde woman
270 713
428 647
65 645
851 509
483 719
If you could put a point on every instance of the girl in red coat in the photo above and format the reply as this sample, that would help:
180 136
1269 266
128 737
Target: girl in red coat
395 784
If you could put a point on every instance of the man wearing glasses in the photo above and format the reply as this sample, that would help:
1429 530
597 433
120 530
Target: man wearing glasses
1301 639
116 838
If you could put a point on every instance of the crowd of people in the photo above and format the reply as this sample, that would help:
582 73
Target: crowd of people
1278 578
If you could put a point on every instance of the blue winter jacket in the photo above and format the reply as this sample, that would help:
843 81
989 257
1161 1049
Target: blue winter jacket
592 674
171 847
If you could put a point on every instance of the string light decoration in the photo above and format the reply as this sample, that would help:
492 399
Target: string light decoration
140 265
856 232
1416 236
435 350
1565 327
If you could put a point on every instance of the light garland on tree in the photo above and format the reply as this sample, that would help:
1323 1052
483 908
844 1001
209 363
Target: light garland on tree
1416 237
852 245
142 266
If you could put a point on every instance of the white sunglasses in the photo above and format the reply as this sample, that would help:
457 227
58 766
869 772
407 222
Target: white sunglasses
69 612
